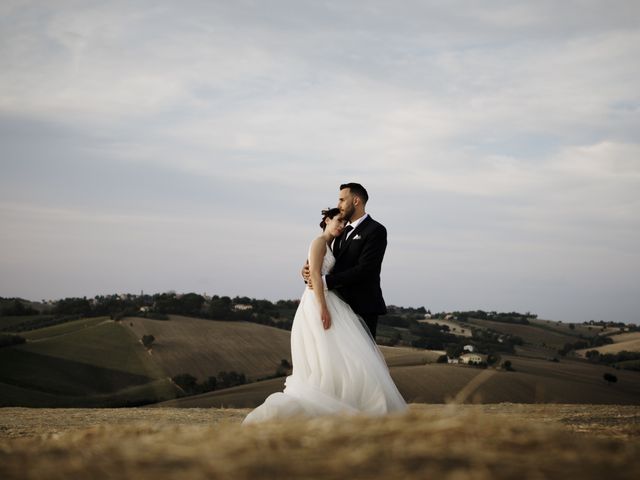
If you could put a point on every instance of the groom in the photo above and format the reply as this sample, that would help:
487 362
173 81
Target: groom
359 251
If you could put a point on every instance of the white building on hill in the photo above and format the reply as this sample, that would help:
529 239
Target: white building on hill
242 306
472 358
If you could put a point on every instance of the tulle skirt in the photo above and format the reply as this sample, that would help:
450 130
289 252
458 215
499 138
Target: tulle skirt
339 370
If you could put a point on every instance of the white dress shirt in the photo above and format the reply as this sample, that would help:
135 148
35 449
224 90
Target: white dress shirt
355 224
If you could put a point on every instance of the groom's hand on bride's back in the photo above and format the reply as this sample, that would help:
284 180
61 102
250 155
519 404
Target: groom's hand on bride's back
306 274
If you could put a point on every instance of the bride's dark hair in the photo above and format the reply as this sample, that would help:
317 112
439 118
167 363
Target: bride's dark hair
328 213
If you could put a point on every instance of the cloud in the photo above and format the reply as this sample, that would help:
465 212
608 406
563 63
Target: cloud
498 140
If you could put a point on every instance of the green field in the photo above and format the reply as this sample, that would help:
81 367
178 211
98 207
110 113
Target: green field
98 362
158 390
9 322
535 334
203 348
89 362
107 345
62 328
61 376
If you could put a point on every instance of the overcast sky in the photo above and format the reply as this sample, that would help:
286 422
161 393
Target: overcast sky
190 146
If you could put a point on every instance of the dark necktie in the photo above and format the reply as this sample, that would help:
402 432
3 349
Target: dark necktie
343 239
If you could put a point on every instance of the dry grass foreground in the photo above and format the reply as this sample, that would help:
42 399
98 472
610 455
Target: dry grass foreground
431 441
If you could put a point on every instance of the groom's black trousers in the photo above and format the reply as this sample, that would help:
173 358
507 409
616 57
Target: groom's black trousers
372 322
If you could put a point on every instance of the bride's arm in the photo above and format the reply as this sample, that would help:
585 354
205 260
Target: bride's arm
316 257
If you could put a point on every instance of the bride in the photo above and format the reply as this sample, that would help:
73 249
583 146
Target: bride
337 366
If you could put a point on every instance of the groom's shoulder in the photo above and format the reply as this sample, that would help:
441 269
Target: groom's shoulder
375 225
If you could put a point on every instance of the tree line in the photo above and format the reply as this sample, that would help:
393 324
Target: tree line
439 337
158 306
16 307
631 359
590 342
189 384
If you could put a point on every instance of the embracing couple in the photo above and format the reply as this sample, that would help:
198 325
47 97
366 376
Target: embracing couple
337 366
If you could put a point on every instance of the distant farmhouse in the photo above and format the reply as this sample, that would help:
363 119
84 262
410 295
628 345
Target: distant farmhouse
242 306
470 358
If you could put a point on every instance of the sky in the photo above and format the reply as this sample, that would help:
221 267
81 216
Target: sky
190 146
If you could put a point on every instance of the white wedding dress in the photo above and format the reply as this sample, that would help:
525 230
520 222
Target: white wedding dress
339 370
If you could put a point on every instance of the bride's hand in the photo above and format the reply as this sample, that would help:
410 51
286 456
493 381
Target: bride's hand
326 318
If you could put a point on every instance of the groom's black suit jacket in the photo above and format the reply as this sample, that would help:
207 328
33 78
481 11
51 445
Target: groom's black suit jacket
356 274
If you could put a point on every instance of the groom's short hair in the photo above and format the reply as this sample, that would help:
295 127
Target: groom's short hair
357 190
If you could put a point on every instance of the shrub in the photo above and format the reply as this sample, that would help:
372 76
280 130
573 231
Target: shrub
15 307
231 379
187 382
493 359
507 365
147 340
283 369
210 384
9 340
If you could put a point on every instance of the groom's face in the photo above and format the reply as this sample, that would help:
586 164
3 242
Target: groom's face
345 204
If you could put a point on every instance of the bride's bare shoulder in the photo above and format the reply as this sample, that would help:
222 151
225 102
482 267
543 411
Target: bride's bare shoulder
318 244
317 251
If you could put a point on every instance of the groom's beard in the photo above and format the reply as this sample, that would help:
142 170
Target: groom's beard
348 213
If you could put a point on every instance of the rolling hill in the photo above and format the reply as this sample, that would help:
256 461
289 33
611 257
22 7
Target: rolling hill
534 334
90 362
204 348
533 381
101 362
455 327
623 341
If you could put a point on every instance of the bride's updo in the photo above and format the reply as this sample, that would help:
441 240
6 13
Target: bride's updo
328 213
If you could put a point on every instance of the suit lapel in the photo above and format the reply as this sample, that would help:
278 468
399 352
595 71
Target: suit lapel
347 242
336 245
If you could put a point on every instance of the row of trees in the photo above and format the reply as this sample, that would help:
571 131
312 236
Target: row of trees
190 385
9 340
37 321
16 307
509 317
439 337
590 342
279 314
621 325
629 360
431 337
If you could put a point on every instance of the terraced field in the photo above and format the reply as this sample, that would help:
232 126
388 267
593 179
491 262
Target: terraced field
532 334
623 341
457 328
203 348
100 362
533 381
85 362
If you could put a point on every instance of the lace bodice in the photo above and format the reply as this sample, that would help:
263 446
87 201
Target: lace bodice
328 261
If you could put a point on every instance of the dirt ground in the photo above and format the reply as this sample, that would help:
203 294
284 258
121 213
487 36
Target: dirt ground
493 441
